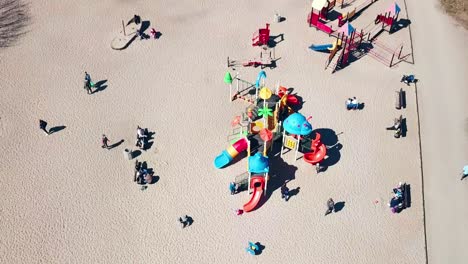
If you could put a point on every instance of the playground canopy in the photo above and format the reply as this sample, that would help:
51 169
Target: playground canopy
346 29
297 124
394 9
319 4
258 163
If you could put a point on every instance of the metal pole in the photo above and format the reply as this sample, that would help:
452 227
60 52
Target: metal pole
123 27
401 49
266 183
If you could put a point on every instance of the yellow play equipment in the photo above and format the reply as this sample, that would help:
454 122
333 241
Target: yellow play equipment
336 44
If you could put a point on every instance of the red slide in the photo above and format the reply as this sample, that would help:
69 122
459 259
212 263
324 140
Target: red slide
257 183
319 151
316 156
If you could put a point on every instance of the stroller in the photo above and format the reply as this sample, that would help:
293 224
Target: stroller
408 79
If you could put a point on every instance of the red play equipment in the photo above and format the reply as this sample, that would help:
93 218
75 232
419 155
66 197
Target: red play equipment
261 37
319 151
318 15
257 184
290 98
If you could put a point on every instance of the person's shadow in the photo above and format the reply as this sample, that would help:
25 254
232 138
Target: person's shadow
260 248
116 144
190 220
100 86
56 129
294 192
339 206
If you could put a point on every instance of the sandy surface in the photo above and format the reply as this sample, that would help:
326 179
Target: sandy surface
66 200
441 60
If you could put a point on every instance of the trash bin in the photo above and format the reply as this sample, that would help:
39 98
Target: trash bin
128 154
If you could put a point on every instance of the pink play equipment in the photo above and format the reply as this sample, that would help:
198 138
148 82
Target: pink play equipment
351 39
319 151
261 37
318 15
257 184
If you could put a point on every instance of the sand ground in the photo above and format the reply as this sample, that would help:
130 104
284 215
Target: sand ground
66 200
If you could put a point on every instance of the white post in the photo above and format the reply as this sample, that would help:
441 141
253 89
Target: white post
264 119
248 190
297 148
282 143
237 77
266 183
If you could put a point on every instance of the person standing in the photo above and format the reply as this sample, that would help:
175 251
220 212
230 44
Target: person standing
105 142
43 126
464 172
330 206
232 188
87 83
284 192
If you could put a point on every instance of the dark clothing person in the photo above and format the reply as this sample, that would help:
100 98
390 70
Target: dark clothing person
330 206
87 86
87 83
232 188
285 192
105 142
43 126
185 221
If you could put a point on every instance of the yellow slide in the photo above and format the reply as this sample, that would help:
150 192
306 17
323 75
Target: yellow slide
335 44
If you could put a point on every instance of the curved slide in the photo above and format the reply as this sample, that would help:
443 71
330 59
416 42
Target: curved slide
316 155
319 151
257 183
230 153
321 47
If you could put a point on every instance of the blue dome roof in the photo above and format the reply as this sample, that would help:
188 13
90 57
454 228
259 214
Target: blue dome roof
297 124
258 163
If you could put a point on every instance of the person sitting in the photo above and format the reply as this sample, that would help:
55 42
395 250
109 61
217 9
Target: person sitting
141 132
354 103
408 79
348 103
142 136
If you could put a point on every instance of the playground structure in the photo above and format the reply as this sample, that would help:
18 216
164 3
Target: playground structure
127 34
352 40
262 36
262 123
266 59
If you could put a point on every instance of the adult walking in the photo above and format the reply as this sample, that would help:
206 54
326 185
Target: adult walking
284 192
43 126
87 83
105 142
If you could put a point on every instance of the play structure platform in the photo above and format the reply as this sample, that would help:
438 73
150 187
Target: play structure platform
126 36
